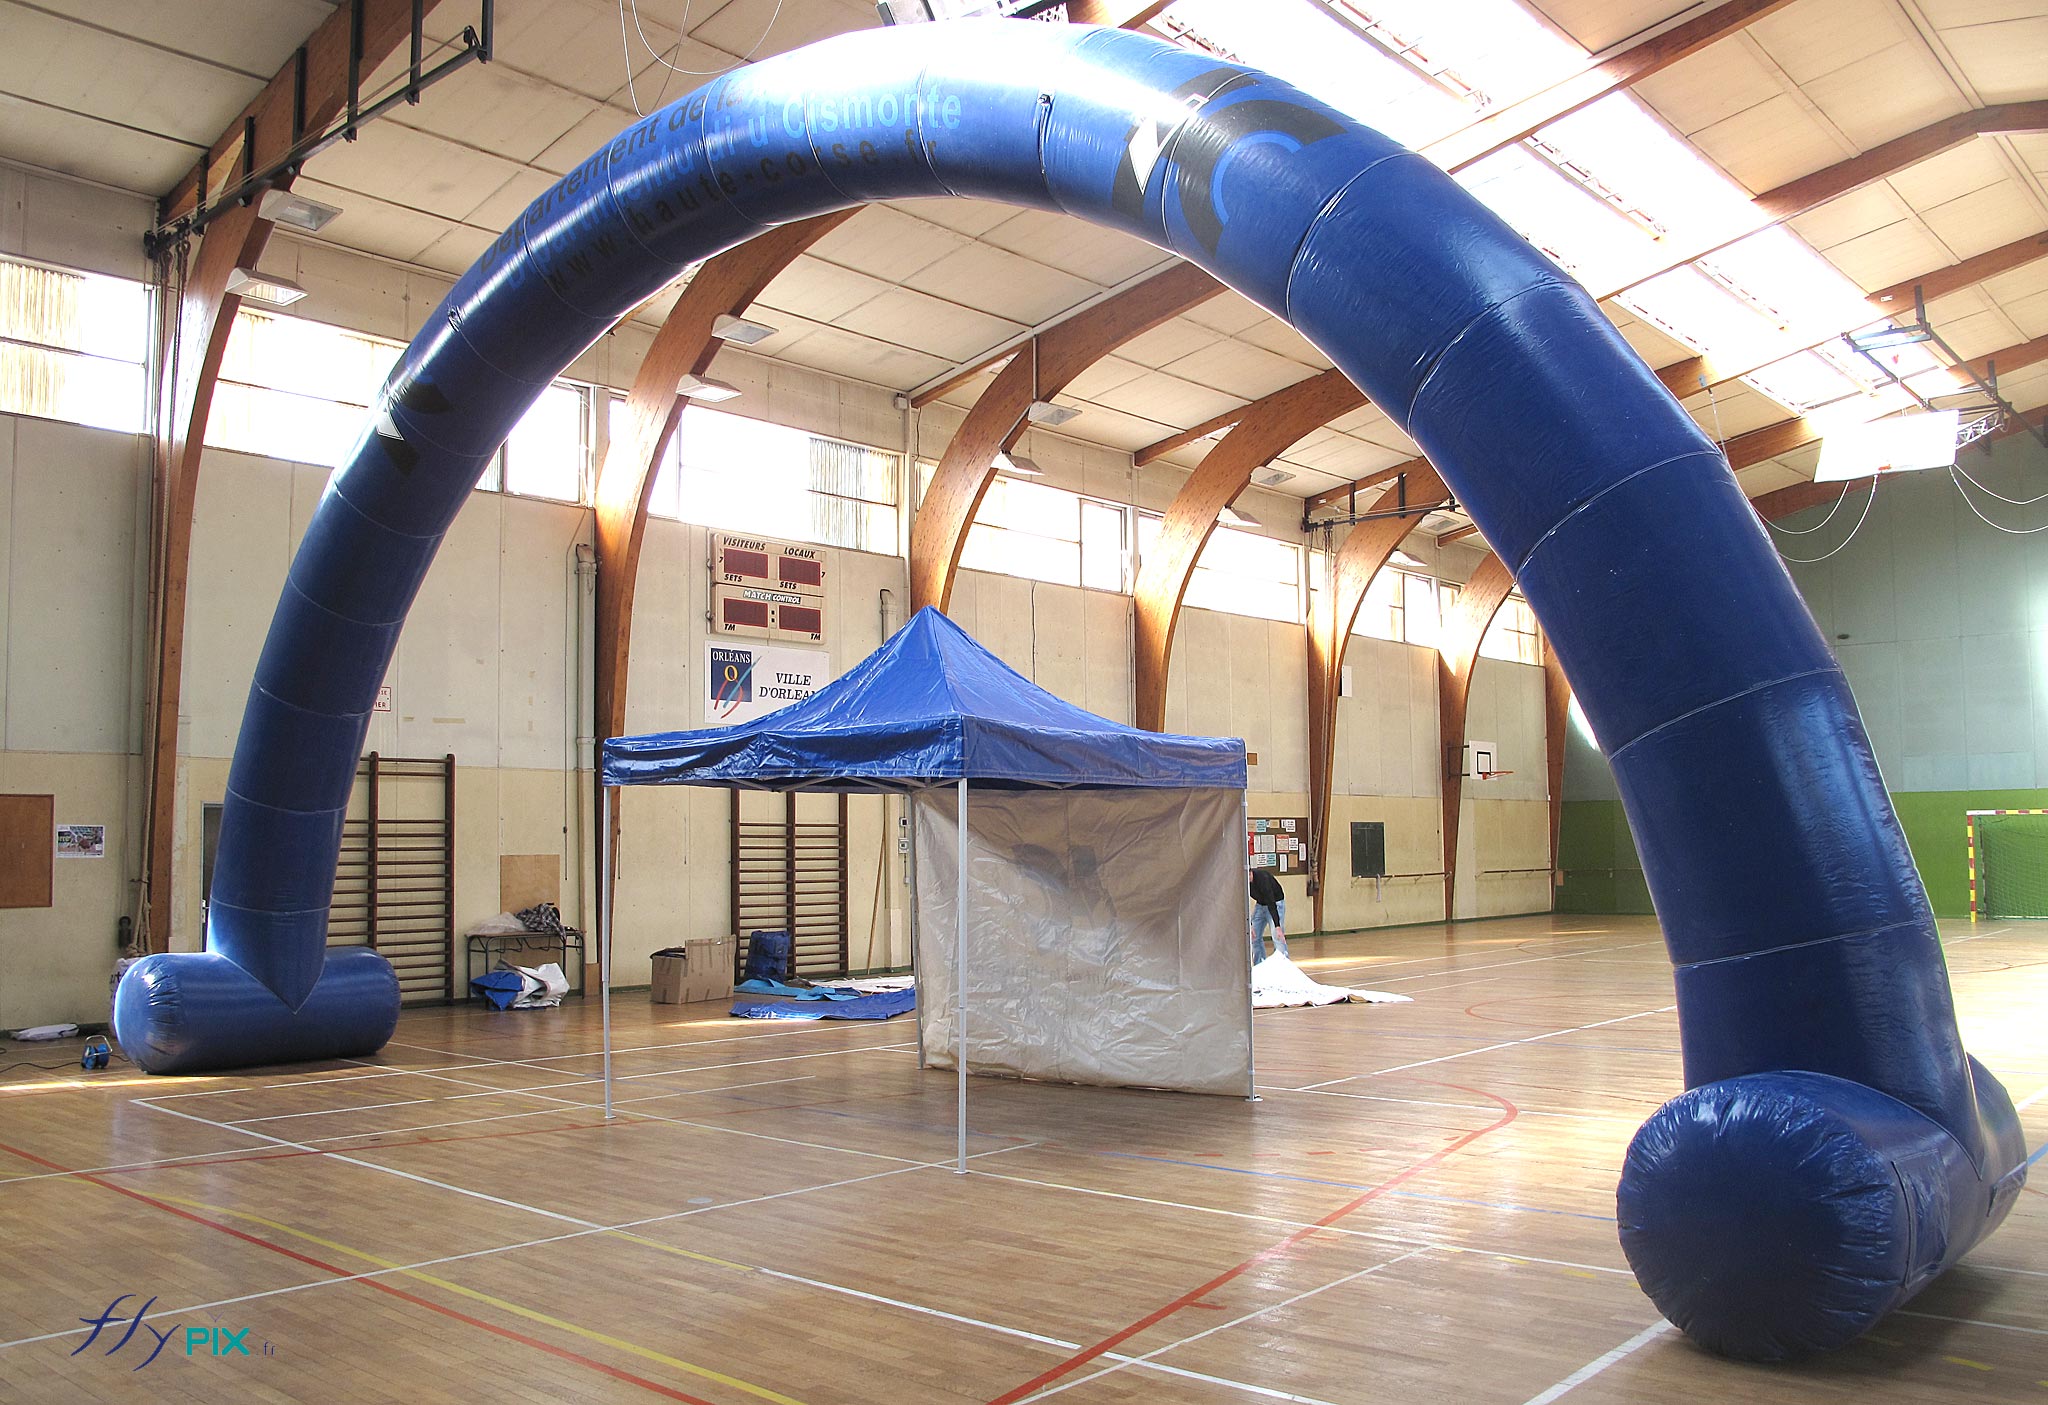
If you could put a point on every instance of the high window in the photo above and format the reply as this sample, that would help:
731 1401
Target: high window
295 389
72 345
1513 635
725 470
1240 573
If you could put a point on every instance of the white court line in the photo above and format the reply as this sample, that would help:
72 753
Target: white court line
1497 965
817 1284
464 1190
791 1030
2022 1107
493 1090
228 1156
946 1165
1600 1363
1148 1358
1463 1107
1490 1048
376 1071
1044 1340
686 1122
1378 1235
1973 1322
1315 964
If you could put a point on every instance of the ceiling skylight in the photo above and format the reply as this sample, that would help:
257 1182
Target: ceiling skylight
1692 307
1795 286
1303 43
1490 51
1616 142
1609 191
1803 382
1590 238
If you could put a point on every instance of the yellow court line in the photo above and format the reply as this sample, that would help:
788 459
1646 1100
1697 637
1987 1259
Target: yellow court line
1966 1361
517 1310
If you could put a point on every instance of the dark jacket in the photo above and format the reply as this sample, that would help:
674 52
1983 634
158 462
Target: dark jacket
1267 892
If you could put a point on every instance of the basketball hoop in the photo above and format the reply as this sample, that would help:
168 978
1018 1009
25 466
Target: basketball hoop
1489 775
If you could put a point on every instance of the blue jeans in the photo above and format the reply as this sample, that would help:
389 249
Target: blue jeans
1262 922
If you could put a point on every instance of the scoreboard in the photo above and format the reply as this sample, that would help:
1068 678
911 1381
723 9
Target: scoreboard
769 589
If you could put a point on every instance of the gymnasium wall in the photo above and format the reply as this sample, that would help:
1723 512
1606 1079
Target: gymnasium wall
497 650
74 524
1941 625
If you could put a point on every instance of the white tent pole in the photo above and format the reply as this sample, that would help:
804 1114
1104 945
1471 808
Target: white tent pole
1251 1076
607 893
960 979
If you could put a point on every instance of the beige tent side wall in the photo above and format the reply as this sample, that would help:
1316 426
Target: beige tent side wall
1106 938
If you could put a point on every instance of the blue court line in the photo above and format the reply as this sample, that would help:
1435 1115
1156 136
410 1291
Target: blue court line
2043 1151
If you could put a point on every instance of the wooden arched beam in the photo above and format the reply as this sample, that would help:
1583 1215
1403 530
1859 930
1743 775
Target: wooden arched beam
1191 519
305 94
1479 600
1115 14
206 318
1352 568
727 284
1041 368
1557 703
1748 449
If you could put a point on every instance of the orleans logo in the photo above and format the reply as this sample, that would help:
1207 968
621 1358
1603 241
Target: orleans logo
199 1341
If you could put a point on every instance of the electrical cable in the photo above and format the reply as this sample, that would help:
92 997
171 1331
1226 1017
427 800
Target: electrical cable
2009 531
1955 469
1809 531
683 33
1816 560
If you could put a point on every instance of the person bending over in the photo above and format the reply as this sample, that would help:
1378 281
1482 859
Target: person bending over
1269 910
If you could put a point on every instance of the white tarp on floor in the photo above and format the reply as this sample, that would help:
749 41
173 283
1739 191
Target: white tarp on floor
1277 983
1106 936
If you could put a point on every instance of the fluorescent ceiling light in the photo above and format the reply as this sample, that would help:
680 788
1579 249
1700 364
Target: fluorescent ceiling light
272 288
739 330
1232 517
1625 156
300 212
1018 465
1050 415
1270 477
1803 381
1402 558
705 389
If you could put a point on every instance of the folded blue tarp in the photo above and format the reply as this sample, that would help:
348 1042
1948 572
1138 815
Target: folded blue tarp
797 992
885 1005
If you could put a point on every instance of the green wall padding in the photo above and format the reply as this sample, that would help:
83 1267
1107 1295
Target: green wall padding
1598 856
1934 821
1603 874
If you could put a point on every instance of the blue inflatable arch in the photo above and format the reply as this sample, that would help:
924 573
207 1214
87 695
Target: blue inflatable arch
1836 1148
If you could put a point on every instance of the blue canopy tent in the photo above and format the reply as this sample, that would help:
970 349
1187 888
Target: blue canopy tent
1110 846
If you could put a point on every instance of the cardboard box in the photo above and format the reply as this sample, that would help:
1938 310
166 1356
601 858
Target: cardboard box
670 976
708 973
700 969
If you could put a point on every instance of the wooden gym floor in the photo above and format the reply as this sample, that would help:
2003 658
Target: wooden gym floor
1420 1210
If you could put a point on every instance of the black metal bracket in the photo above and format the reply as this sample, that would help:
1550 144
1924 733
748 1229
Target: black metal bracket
1922 330
1400 509
475 48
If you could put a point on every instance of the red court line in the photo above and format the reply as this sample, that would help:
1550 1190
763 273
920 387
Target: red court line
1187 1299
614 1372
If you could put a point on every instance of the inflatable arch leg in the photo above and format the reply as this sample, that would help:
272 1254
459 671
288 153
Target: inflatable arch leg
1837 1148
